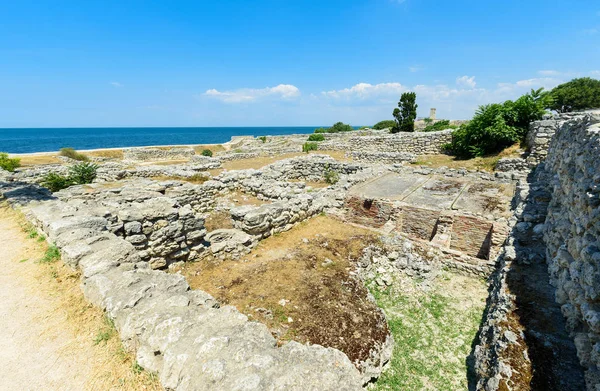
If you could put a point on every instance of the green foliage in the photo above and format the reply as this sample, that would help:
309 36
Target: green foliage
439 125
497 126
82 173
385 124
336 128
7 163
73 154
55 182
307 147
51 255
331 176
340 127
79 174
207 152
578 94
406 113
262 138
316 137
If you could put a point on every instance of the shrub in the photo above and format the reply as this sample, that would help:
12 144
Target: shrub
497 126
578 94
321 130
73 154
207 152
316 137
440 125
340 127
7 163
262 138
331 177
307 147
82 173
55 182
385 124
406 113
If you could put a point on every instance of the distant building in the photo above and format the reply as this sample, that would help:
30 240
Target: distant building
432 114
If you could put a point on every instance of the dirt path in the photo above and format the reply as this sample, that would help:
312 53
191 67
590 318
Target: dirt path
34 340
48 333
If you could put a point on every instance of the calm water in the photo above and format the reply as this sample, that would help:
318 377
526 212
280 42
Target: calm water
25 140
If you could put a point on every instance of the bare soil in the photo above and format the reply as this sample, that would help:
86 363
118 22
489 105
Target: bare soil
301 291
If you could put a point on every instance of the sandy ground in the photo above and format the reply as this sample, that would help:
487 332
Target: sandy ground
37 351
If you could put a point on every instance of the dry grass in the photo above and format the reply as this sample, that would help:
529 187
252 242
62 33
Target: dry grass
113 367
291 287
259 162
196 179
218 220
214 148
36 160
107 153
485 163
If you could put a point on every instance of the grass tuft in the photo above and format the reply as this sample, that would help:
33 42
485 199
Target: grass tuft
51 255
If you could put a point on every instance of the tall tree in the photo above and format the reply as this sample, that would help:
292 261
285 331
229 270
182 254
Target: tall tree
406 113
578 94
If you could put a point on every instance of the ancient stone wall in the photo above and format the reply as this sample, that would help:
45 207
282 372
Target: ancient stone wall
572 233
418 143
382 157
145 154
474 238
433 232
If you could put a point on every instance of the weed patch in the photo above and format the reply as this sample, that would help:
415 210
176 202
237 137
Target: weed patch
433 332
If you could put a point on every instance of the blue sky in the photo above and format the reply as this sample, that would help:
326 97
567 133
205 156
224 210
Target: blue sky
276 63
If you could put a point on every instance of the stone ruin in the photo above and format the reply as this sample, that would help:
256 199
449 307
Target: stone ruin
537 218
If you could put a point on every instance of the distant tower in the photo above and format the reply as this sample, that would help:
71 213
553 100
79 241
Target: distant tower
432 114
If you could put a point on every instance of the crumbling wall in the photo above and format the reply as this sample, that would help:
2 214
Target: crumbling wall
572 234
419 143
145 154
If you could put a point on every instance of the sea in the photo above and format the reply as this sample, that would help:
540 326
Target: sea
29 140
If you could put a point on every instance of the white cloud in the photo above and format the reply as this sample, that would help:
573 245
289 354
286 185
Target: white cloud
282 91
466 81
528 84
415 68
549 72
116 84
366 91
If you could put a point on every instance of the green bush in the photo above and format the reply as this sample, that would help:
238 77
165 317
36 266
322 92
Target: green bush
316 137
79 174
331 177
340 127
207 152
262 138
385 124
578 94
307 147
440 125
7 163
55 182
499 125
321 130
406 113
82 173
73 154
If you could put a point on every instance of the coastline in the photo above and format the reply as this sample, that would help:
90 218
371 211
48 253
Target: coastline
49 153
